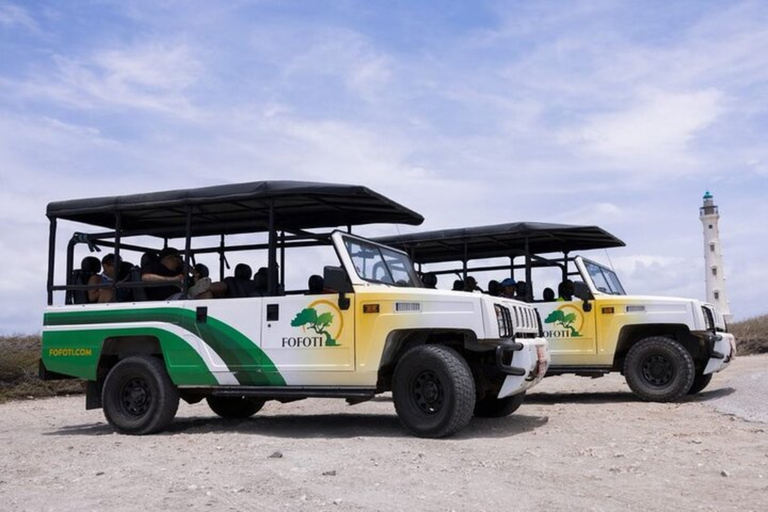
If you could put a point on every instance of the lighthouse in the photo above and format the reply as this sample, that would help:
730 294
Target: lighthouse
713 257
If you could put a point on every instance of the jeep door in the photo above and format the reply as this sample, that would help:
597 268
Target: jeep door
308 333
569 330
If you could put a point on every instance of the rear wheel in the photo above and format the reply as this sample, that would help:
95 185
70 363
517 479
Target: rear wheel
138 396
700 381
492 407
433 391
659 369
234 408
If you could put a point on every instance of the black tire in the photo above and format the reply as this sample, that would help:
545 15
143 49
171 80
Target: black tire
138 396
700 381
234 407
492 407
433 391
659 369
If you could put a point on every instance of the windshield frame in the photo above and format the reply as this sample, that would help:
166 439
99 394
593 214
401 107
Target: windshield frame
385 257
610 277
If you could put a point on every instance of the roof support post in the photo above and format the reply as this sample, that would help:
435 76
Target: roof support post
528 287
117 261
565 265
52 259
187 248
282 259
272 252
221 258
464 264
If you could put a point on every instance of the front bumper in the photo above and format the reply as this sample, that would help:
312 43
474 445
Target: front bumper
722 353
524 361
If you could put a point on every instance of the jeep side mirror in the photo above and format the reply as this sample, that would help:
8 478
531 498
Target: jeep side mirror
336 279
581 290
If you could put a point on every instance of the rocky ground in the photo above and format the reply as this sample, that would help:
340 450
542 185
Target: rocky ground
576 444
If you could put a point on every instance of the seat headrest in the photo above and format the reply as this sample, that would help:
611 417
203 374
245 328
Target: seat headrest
261 279
316 284
90 265
429 279
243 272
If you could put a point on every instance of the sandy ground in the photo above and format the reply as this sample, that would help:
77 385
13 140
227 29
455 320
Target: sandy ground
576 444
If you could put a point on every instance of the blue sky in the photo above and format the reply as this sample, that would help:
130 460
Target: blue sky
619 114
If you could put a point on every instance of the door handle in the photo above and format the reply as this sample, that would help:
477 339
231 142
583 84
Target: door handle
273 312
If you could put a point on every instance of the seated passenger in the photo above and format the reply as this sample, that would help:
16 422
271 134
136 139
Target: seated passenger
89 267
470 285
548 294
458 285
508 288
430 280
107 276
494 288
565 290
261 279
201 283
521 290
167 269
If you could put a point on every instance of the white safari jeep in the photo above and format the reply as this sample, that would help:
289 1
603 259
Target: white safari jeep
665 347
330 314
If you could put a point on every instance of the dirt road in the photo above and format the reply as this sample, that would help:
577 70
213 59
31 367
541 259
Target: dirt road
576 444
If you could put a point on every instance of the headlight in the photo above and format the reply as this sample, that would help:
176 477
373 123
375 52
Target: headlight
504 321
709 319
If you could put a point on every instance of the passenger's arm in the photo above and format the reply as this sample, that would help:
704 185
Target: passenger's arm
154 278
93 295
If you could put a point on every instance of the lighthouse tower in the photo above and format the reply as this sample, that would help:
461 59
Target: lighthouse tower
713 257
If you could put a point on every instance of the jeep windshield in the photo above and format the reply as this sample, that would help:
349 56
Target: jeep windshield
379 264
604 279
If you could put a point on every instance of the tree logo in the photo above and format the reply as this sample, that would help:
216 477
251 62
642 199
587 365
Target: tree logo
318 318
571 322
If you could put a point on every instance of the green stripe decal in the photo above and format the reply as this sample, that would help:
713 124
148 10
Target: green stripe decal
184 364
243 357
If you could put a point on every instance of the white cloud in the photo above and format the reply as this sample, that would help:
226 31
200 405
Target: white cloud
13 15
153 77
654 136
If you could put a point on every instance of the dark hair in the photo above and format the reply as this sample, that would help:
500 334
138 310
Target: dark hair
169 251
202 270
243 272
108 259
148 258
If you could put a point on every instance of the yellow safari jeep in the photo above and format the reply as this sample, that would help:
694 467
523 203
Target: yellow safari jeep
665 347
329 314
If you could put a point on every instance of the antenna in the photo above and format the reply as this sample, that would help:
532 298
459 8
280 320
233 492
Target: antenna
609 259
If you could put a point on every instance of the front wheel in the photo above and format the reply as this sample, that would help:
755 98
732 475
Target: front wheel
659 369
433 391
234 407
700 382
139 397
492 407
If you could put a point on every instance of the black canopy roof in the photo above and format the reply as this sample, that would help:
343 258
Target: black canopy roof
237 208
500 240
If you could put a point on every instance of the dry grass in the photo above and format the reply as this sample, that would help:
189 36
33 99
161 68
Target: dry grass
751 335
18 371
